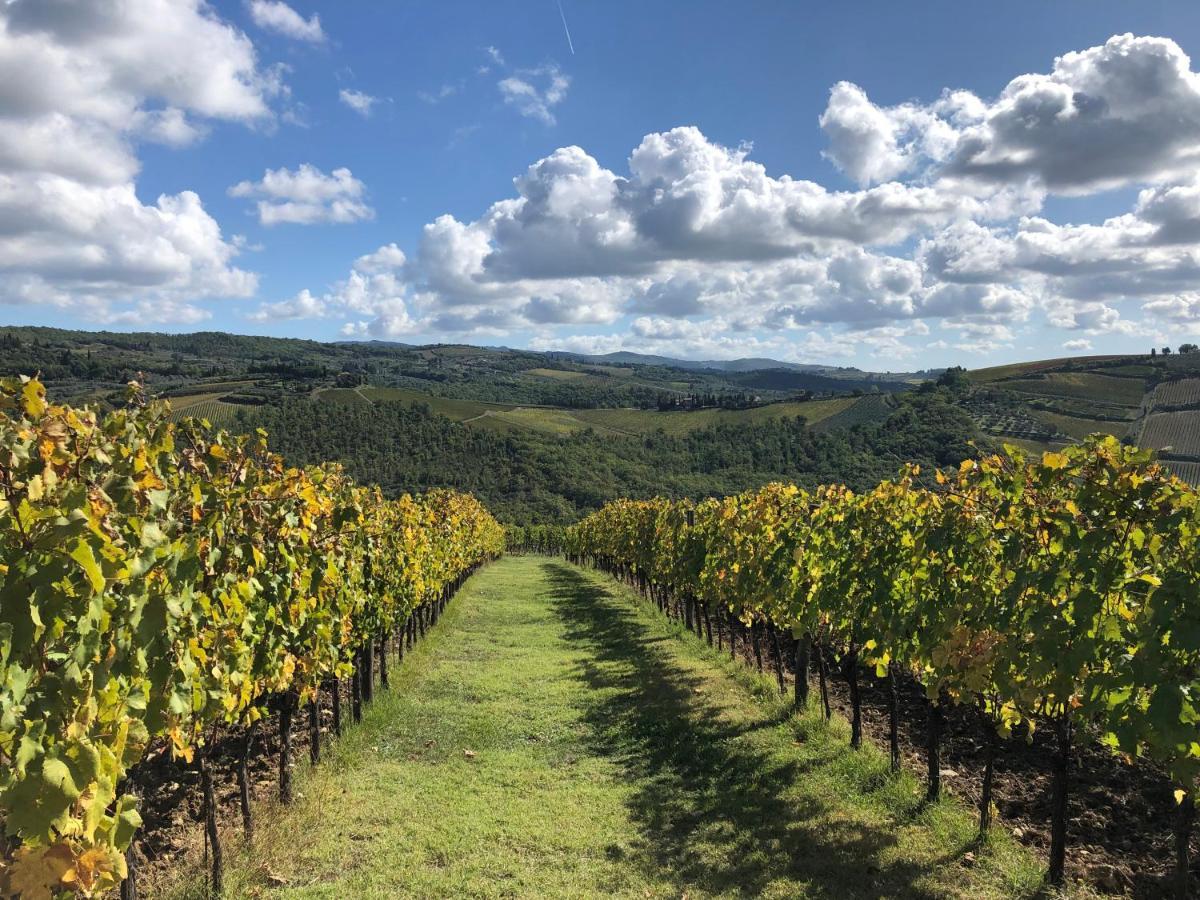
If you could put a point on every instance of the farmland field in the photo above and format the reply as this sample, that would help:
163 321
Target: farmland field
611 371
1090 386
558 374
451 408
867 410
1016 370
643 421
1185 392
1178 430
203 406
1077 427
344 395
1034 447
554 420
551 421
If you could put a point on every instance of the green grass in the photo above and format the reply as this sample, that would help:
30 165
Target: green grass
613 755
550 420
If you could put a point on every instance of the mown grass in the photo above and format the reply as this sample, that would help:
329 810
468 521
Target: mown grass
555 737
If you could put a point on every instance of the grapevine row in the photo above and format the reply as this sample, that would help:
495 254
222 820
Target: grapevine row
1060 589
160 581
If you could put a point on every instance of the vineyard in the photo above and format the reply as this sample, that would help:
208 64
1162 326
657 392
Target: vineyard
1174 432
165 587
161 582
1081 385
1177 394
1059 590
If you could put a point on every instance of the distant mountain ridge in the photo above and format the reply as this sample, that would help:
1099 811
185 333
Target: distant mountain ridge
742 364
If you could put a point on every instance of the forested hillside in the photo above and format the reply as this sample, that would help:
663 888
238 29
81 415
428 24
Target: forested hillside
529 476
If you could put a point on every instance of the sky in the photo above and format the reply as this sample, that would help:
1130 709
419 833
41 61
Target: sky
889 185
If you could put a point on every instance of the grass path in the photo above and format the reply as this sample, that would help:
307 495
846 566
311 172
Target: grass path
555 738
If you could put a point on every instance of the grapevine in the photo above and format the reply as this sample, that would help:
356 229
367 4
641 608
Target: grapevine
1061 588
160 579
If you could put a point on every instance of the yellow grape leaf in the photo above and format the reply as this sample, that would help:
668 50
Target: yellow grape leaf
1180 793
94 868
1053 460
34 397
37 873
82 554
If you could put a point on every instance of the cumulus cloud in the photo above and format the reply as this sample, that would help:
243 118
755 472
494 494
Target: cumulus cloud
1125 112
873 144
73 232
374 293
274 15
694 247
306 196
535 92
358 101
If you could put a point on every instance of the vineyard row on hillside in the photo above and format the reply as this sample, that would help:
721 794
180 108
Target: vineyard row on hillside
160 579
1061 589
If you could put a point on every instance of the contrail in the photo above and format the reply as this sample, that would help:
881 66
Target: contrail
565 28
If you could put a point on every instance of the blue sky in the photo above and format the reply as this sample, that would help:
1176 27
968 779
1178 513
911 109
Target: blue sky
880 184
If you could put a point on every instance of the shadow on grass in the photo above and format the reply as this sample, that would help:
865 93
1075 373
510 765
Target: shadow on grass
713 809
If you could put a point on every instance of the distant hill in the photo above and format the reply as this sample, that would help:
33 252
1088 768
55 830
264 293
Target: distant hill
1151 401
743 364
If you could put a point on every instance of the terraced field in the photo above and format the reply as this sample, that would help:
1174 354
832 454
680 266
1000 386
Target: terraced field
1185 392
1180 431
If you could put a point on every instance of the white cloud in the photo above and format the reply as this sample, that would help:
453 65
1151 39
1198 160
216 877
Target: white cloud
358 101
693 248
435 97
1077 345
1125 112
73 233
535 92
872 144
374 295
274 15
306 196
